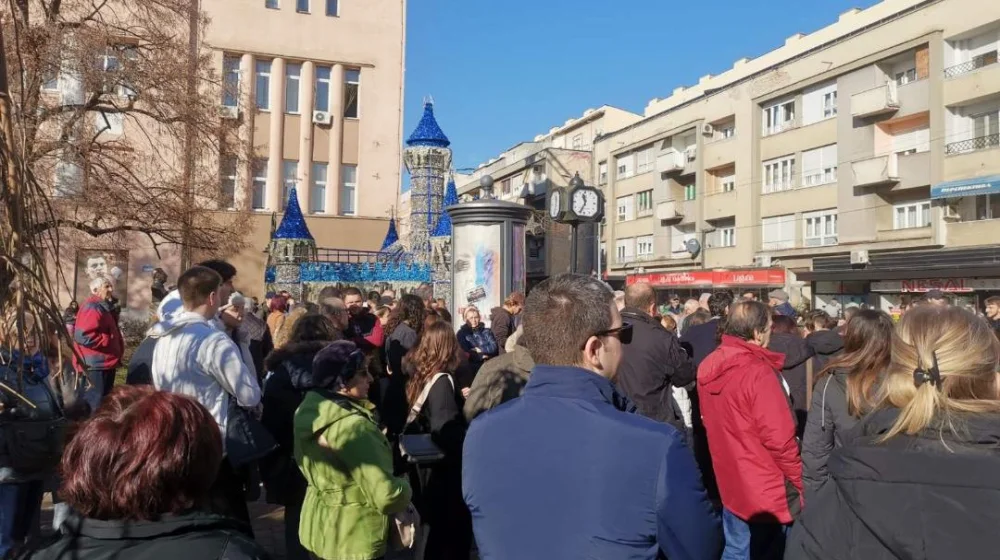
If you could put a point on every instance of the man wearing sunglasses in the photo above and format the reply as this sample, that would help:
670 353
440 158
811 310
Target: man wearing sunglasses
655 363
563 471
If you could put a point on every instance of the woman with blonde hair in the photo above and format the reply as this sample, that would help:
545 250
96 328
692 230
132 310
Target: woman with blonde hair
918 479
436 409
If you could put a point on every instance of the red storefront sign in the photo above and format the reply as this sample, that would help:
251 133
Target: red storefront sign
720 278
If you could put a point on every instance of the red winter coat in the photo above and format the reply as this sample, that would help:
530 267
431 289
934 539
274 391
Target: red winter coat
751 431
97 336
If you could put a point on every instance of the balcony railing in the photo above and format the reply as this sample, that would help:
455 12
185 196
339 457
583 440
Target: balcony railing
974 144
981 61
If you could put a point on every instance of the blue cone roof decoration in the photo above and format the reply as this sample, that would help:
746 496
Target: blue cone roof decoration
391 236
443 228
293 224
428 133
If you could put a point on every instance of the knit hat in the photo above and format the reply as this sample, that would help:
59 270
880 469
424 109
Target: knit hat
336 364
780 295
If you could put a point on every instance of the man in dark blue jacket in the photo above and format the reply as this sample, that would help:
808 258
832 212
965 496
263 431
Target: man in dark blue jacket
562 471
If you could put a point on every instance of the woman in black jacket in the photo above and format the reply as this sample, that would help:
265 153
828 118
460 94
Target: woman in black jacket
918 478
402 332
438 491
843 392
799 359
824 342
136 475
290 379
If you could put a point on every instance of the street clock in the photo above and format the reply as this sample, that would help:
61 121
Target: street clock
557 204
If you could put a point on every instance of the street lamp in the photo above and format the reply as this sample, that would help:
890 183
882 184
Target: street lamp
486 187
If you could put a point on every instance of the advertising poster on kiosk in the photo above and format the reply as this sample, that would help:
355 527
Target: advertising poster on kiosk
477 269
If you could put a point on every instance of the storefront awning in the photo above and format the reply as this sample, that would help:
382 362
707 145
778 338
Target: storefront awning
967 187
715 278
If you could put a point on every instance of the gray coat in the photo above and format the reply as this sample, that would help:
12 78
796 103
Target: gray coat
826 426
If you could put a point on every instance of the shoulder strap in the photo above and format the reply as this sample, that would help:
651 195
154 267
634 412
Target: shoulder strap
809 383
419 405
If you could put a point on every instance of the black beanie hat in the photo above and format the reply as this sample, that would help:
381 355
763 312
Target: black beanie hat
337 362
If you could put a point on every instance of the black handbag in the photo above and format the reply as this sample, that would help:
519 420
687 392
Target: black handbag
33 445
247 440
419 448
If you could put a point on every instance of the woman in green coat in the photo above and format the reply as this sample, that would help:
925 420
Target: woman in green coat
346 461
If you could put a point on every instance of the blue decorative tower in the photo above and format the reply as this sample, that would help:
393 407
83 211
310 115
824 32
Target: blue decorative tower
428 159
291 245
441 246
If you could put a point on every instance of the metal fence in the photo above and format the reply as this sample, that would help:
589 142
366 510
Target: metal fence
972 145
976 63
359 257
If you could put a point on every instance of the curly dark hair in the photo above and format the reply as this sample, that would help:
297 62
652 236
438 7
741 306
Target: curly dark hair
410 310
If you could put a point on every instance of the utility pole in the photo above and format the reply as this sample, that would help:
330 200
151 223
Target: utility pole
190 135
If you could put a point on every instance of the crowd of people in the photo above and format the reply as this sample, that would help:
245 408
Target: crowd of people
578 423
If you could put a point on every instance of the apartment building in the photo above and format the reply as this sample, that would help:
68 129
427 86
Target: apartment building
525 172
860 163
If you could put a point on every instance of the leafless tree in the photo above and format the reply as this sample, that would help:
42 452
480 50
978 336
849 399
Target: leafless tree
116 110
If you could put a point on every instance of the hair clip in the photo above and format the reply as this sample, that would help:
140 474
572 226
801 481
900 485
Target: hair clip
931 375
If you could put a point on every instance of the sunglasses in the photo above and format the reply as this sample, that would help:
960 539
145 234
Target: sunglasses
622 333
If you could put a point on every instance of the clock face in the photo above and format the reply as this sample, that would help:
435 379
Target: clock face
585 203
554 204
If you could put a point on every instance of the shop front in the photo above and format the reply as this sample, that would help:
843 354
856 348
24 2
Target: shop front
691 284
892 281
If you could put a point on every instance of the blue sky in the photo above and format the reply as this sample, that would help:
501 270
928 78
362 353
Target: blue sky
500 73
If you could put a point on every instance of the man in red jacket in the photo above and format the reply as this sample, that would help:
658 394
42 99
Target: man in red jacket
97 336
751 436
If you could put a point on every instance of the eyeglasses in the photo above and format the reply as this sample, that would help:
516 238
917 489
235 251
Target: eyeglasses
622 333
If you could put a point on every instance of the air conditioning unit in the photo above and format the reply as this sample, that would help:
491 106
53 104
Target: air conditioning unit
322 117
762 261
691 153
707 129
228 112
859 257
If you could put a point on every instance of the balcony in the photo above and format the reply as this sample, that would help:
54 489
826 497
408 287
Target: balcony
981 61
670 161
875 171
669 211
877 101
972 145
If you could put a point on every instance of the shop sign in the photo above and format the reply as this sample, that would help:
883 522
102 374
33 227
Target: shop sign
747 277
950 285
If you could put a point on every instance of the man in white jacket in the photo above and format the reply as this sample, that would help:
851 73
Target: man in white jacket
193 357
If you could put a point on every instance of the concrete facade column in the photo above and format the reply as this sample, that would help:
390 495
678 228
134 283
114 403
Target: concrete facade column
276 136
336 140
306 79
244 177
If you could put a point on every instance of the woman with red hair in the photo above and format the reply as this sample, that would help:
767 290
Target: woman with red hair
136 475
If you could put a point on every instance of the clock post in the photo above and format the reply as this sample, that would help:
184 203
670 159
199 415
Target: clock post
584 205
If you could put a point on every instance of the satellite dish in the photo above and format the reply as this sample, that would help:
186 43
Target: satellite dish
693 247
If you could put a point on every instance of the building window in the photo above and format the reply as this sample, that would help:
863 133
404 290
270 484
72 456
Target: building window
728 183
725 233
231 80
644 246
645 161
258 196
987 207
819 103
690 192
913 215
293 75
912 141
625 165
644 203
322 94
68 180
115 64
332 8
779 174
779 117
50 78
109 123
727 131
227 171
602 173
317 190
819 166
778 232
289 179
625 249
820 228
625 209
352 88
302 6
271 4
906 76
348 190
262 84
578 142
